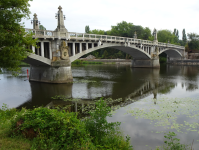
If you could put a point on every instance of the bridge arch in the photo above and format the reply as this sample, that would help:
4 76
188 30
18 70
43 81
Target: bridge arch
135 52
174 53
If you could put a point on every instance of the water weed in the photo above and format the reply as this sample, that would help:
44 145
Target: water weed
167 110
173 143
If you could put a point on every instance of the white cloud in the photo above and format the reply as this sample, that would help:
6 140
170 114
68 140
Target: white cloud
102 14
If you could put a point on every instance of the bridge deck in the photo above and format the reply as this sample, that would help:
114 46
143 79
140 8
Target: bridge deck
73 36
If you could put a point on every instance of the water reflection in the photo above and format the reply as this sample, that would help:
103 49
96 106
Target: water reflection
132 85
42 93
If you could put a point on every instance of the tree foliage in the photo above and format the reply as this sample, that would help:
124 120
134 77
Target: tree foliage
87 29
14 41
41 27
193 43
184 36
95 31
126 29
166 35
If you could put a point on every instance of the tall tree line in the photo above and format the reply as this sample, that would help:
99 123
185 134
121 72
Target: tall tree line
126 29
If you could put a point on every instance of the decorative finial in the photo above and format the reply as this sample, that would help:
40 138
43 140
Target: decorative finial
60 8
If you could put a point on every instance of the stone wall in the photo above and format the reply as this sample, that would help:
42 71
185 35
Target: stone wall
184 62
193 55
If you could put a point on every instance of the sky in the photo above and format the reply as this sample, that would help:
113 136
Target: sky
102 14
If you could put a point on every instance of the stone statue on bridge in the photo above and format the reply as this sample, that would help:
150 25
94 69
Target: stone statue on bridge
155 34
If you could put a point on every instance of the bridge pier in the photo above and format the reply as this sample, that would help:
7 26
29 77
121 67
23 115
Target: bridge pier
58 72
145 63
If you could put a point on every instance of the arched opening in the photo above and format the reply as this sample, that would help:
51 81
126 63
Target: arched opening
170 54
129 51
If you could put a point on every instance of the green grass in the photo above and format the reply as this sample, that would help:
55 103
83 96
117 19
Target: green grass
80 62
6 141
24 64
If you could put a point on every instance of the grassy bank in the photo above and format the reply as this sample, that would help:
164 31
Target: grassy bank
43 128
80 62
24 64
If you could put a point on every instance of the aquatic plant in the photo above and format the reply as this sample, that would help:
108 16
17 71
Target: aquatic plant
173 143
166 112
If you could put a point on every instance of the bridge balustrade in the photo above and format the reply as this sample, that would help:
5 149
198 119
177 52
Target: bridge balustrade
79 35
94 37
48 33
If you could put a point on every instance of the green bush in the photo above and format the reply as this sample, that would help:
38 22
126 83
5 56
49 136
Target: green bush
77 62
162 59
105 135
173 143
55 129
6 113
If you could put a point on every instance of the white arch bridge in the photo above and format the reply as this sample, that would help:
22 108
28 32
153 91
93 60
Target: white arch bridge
48 65
81 43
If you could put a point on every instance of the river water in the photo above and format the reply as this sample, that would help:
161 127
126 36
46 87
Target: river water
139 88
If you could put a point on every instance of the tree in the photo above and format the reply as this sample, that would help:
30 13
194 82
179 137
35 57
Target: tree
147 34
87 29
122 29
105 54
193 43
184 36
14 40
193 36
174 32
95 31
177 35
41 27
167 35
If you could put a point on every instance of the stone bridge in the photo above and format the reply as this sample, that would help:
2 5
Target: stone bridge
50 63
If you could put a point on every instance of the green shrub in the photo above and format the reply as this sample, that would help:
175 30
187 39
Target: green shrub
173 143
105 135
162 59
77 62
6 113
55 129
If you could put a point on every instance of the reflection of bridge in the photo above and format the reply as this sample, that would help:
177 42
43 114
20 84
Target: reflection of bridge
84 106
49 63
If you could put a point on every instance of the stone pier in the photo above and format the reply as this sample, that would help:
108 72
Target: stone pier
149 63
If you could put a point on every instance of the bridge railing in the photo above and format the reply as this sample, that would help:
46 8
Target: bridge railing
109 38
97 37
42 33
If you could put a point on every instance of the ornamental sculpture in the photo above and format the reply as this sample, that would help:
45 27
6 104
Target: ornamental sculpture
64 50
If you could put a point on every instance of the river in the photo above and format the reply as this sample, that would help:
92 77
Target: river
139 88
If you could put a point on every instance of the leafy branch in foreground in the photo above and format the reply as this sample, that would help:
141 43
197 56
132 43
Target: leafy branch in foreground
15 42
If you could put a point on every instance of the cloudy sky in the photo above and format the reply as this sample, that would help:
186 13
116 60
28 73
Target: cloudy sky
102 14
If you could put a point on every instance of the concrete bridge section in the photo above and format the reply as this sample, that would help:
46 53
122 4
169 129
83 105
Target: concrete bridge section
51 64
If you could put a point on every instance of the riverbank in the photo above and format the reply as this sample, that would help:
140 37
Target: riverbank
23 64
103 61
43 128
184 62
